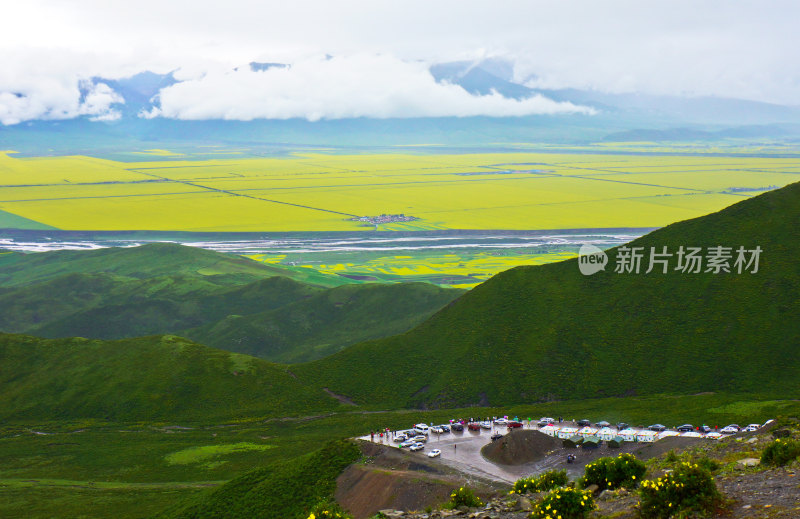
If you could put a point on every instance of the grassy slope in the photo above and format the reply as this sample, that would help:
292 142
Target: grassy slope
280 490
547 332
165 305
148 378
225 301
327 322
146 261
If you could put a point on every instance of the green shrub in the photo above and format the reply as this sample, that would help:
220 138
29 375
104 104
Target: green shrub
708 464
689 489
623 471
780 452
328 510
545 481
566 503
464 496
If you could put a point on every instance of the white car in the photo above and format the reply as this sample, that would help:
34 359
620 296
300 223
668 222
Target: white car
500 421
421 428
408 443
420 438
752 427
434 453
436 429
417 447
486 425
400 438
729 430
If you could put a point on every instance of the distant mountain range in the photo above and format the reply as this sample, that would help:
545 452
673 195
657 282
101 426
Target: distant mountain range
620 117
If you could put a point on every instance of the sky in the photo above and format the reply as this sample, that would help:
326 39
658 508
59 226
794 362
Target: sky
370 58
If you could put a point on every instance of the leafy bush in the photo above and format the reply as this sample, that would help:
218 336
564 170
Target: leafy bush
623 471
688 489
464 496
566 503
780 452
708 464
545 481
329 510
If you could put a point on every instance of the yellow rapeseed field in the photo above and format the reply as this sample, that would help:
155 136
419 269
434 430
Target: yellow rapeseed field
322 191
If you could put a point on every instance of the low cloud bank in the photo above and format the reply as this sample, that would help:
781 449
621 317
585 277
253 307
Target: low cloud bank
337 88
372 86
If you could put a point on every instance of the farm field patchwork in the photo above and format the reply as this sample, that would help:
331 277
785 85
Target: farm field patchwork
318 191
461 269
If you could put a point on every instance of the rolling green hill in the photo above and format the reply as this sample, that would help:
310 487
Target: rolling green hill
146 261
547 332
326 322
281 490
144 379
133 308
225 301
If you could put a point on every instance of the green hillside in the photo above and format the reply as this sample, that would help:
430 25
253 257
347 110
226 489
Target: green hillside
146 261
547 332
148 378
159 305
281 490
226 301
326 322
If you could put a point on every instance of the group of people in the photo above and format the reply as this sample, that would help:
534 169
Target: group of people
383 434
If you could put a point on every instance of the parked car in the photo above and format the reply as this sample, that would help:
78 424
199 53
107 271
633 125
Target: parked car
407 443
513 425
457 427
704 429
421 428
496 436
486 425
729 430
544 422
500 421
658 427
420 438
445 428
584 423
622 425
434 453
437 430
602 424
752 427
687 427
474 426
400 438
733 426
416 447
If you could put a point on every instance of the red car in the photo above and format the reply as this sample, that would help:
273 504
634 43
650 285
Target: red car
474 426
513 425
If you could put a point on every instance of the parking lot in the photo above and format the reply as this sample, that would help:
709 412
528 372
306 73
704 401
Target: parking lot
462 450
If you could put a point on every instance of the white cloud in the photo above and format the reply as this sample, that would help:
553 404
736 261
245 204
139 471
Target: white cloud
41 86
732 48
376 86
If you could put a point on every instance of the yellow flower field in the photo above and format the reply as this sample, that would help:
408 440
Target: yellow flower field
322 191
